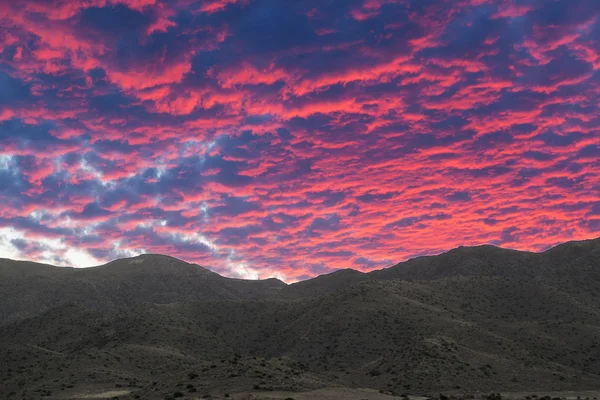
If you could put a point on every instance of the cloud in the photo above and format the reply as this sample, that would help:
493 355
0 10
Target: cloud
259 139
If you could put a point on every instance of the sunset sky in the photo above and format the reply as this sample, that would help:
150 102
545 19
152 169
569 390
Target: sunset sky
290 138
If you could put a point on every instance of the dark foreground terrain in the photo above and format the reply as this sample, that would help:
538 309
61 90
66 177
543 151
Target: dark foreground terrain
470 321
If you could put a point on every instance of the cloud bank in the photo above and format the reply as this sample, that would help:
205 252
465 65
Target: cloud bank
261 137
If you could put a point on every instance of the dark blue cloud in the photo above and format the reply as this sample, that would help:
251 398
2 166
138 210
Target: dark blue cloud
557 139
12 90
116 20
371 197
19 131
320 224
233 206
463 195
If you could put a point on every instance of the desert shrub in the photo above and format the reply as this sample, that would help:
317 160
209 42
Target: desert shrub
494 396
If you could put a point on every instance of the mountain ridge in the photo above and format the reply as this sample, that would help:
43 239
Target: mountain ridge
132 260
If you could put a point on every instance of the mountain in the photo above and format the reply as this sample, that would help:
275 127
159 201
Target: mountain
472 319
30 288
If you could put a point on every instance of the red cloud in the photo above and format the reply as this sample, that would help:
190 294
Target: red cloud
298 139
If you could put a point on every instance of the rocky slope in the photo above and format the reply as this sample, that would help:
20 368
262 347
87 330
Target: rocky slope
472 319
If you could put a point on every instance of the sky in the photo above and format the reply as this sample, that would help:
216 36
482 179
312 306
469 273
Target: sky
278 138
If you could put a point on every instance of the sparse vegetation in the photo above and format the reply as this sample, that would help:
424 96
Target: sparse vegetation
446 329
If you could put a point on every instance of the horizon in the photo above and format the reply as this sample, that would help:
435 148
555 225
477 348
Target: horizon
333 270
271 139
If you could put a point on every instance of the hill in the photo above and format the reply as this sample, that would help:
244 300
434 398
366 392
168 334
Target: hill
30 288
474 319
